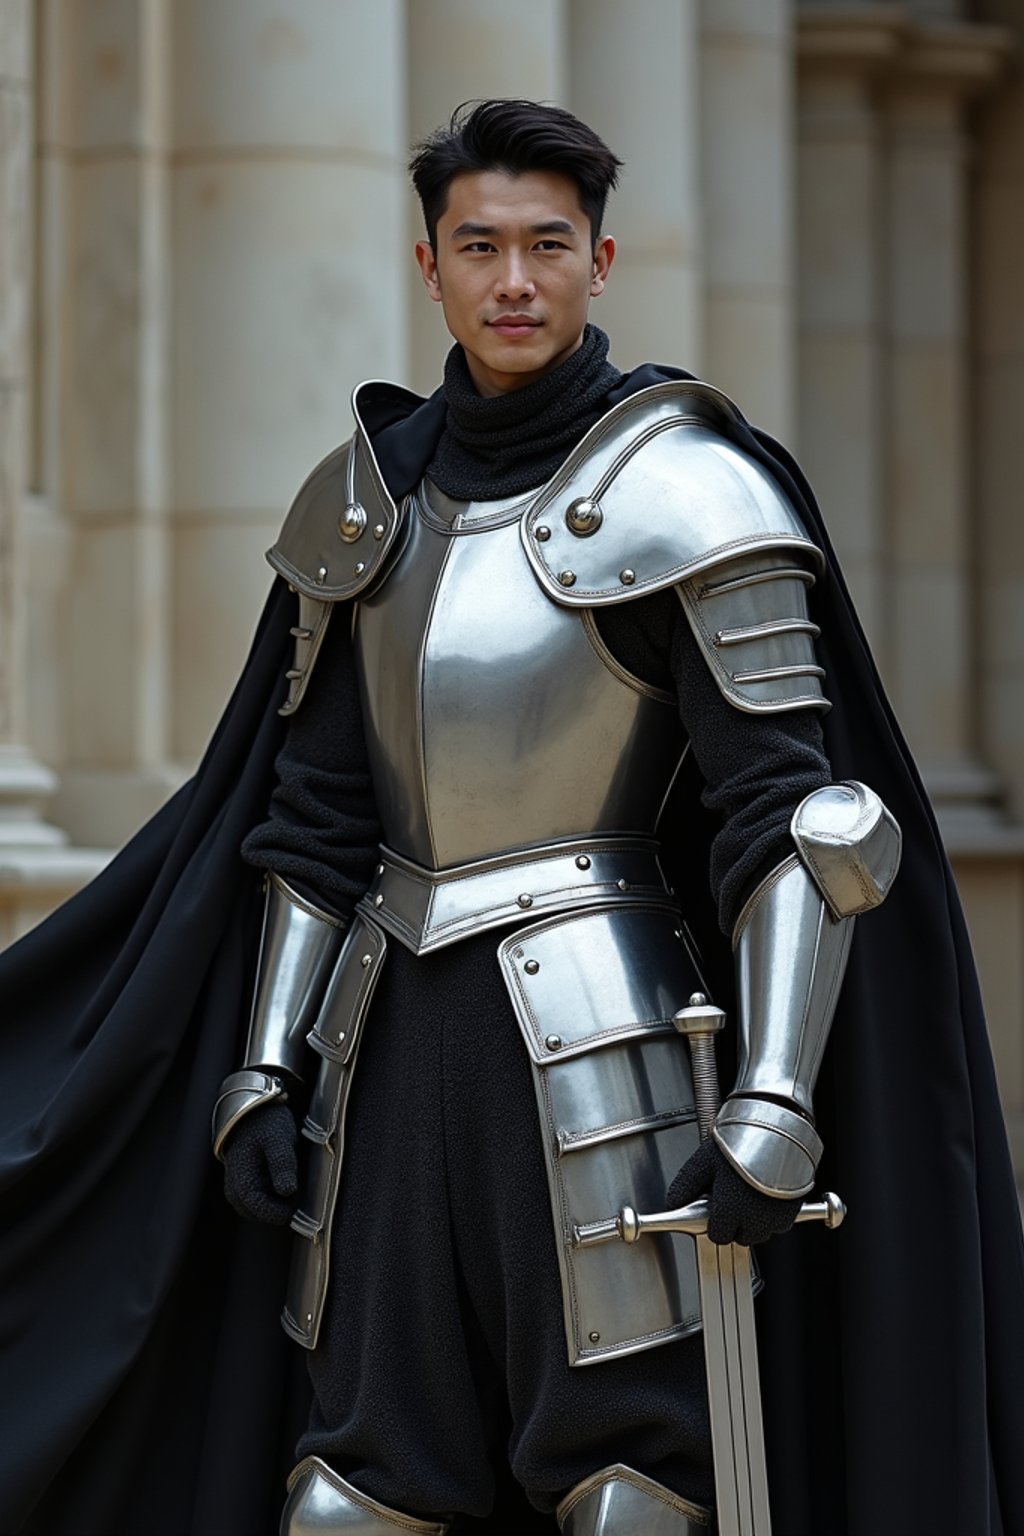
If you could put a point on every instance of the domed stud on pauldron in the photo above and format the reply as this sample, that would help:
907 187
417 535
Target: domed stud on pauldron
352 522
583 517
567 578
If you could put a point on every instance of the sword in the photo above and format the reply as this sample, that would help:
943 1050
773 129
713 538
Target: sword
727 1305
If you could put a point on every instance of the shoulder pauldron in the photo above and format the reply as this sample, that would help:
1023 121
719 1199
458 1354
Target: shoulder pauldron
656 495
334 544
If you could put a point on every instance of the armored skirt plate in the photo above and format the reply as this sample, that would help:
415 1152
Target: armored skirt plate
594 993
335 1038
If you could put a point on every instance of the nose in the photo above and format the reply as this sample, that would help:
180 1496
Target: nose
512 281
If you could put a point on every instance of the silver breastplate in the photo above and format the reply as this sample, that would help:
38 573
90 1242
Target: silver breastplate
496 719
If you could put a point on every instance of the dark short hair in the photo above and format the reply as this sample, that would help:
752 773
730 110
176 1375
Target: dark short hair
510 135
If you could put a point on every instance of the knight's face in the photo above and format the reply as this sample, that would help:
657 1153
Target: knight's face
514 270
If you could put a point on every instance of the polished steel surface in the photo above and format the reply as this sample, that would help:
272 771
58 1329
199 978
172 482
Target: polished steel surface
631 1225
676 497
308 635
749 615
343 523
616 1501
241 1092
776 1149
335 1038
791 954
298 950
727 1309
492 722
594 993
299 947
850 843
322 1503
427 909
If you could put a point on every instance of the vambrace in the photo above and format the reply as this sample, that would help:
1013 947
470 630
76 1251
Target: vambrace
298 951
791 943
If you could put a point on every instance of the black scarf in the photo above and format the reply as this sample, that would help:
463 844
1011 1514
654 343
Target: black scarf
499 446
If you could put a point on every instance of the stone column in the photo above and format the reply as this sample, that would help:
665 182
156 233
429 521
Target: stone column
897 437
23 781
929 420
37 869
653 307
289 229
841 363
103 400
460 50
747 143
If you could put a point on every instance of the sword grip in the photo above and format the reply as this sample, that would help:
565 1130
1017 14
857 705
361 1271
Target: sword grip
700 1022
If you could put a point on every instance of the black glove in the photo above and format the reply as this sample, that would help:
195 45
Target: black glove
737 1212
261 1164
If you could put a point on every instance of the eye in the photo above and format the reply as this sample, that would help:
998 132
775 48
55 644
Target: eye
478 245
551 245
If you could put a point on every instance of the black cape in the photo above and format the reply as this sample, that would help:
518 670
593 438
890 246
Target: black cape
147 1387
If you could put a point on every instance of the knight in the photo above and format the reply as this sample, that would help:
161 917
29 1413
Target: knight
558 686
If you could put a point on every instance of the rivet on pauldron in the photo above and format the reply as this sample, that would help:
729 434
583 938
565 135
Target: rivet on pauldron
595 1337
341 1035
542 533
553 1042
378 900
321 575
380 870
582 862
567 578
365 961
359 568
378 530
531 967
583 517
627 577
352 522
623 885
524 900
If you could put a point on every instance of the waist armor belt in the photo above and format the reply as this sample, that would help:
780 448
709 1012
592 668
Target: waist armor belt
593 986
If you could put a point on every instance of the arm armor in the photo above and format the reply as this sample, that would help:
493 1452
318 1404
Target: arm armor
792 942
297 955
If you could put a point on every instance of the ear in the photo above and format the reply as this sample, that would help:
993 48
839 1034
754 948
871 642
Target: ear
428 269
604 255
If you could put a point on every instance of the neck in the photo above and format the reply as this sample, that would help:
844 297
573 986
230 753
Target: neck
502 444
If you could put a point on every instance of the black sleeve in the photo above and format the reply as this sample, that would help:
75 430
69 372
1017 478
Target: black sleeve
756 768
322 830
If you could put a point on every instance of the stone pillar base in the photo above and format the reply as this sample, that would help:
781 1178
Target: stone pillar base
109 807
35 881
25 787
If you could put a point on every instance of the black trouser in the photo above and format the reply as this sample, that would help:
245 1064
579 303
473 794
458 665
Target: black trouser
444 1314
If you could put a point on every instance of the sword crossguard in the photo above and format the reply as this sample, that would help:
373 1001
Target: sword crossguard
630 1226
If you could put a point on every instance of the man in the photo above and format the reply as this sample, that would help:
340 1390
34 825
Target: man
577 595
589 578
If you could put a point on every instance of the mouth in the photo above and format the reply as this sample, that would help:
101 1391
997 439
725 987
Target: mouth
514 326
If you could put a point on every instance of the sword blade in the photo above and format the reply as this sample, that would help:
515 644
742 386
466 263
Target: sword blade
734 1389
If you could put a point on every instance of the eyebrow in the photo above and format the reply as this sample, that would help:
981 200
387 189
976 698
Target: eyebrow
548 227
